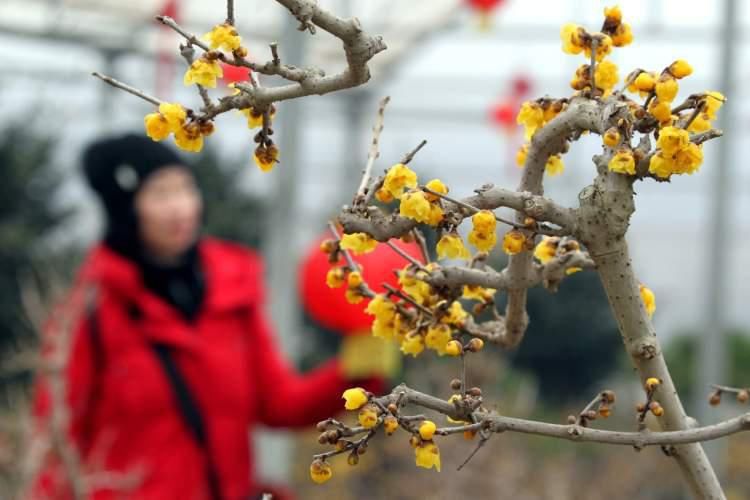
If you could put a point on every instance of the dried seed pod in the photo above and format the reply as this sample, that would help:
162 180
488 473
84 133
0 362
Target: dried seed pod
475 391
456 384
608 396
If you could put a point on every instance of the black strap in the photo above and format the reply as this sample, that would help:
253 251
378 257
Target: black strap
186 403
190 413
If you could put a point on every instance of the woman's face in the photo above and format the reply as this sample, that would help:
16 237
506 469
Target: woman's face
168 207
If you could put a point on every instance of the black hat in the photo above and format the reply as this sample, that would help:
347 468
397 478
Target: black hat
116 168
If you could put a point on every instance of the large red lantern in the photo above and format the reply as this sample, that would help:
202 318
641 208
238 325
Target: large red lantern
503 113
328 306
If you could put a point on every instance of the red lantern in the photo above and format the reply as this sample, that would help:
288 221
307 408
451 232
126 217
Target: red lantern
234 74
485 6
503 114
328 306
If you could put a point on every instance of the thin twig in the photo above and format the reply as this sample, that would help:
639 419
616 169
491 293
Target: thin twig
230 12
471 208
592 65
411 154
406 256
422 242
374 153
127 88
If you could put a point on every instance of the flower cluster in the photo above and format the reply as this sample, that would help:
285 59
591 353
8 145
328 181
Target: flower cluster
482 234
172 119
422 205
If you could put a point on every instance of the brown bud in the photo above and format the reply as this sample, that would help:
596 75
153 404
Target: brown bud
640 407
240 52
322 426
211 55
475 345
475 391
333 436
361 449
329 246
605 411
352 459
715 398
206 128
608 396
393 408
456 384
743 396
414 441
590 415
572 419
323 438
529 222
341 445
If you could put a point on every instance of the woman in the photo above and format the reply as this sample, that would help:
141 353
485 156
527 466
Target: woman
174 360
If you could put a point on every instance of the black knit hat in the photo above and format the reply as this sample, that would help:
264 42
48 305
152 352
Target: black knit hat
116 168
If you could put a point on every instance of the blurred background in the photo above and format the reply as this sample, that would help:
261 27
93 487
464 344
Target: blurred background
457 71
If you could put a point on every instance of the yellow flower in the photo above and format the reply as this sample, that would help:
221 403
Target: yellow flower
412 344
174 114
652 382
606 76
680 68
353 296
354 279
224 37
513 242
335 277
554 165
570 34
531 116
414 205
390 424
611 137
355 398
203 72
437 186
398 178
451 246
266 157
613 14
456 314
254 118
320 471
484 221
427 455
700 123
713 100
436 214
358 243
453 348
649 300
427 430
189 138
623 162
660 110
546 249
645 82
660 165
368 417
381 307
415 287
622 36
602 50
157 127
476 292
688 159
437 338
521 155
672 139
666 88
484 242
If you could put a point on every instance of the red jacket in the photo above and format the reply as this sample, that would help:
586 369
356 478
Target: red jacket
124 415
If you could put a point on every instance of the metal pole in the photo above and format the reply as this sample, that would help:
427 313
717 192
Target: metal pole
713 341
275 449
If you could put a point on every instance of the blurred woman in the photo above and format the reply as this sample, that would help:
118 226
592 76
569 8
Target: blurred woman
174 360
